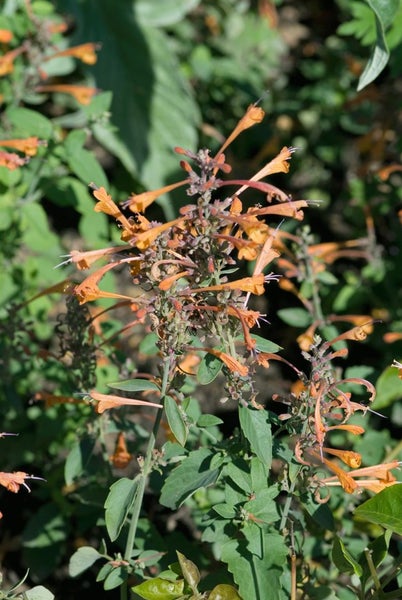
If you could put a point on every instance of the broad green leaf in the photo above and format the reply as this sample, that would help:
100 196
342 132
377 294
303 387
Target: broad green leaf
87 168
241 477
384 509
384 12
45 528
263 506
135 385
343 560
82 559
321 513
192 474
209 368
118 504
156 13
159 589
254 575
389 389
224 591
104 571
296 317
28 122
152 105
38 593
264 345
176 420
78 458
257 429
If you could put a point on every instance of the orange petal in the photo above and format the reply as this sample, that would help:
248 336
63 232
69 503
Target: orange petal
106 401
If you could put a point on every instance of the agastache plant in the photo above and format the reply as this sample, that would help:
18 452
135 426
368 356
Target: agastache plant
193 279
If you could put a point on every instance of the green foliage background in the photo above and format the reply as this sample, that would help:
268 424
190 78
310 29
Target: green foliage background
180 73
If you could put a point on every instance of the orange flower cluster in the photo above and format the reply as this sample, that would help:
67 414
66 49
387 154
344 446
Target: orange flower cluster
182 263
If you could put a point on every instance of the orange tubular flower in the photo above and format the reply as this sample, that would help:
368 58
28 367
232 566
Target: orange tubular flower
121 457
82 93
232 363
106 205
85 52
277 165
11 161
381 477
13 481
139 202
350 458
88 289
145 239
84 260
106 401
7 60
254 285
28 145
5 36
253 116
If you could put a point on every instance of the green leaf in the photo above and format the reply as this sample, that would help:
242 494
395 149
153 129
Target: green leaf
155 13
152 107
176 420
82 559
28 122
209 368
159 589
263 505
191 475
190 571
117 505
257 429
38 593
224 591
135 385
384 12
208 421
383 509
264 345
84 164
116 578
378 551
296 317
225 511
78 458
321 513
389 389
343 560
254 575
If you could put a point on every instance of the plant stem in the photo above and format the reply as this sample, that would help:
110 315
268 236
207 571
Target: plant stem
143 478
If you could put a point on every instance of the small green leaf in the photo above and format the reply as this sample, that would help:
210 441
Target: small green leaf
134 385
38 593
176 420
208 421
264 345
343 560
193 473
190 571
208 369
159 589
296 317
378 551
82 559
118 504
257 429
384 509
115 579
225 510
224 591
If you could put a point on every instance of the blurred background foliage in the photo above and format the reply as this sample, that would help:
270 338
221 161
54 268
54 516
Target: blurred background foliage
176 73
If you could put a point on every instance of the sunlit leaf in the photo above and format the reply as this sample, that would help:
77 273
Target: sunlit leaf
384 509
118 504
